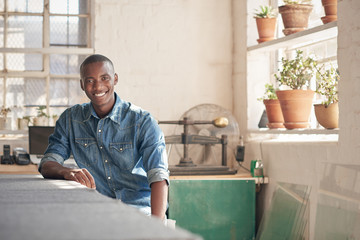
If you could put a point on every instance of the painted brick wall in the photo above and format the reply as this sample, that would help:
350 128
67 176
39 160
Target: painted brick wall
349 86
170 54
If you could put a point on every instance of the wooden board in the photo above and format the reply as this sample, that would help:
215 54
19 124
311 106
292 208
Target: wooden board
19 169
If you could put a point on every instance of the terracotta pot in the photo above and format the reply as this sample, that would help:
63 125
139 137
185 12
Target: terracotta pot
274 114
328 117
41 121
330 7
296 107
266 29
295 17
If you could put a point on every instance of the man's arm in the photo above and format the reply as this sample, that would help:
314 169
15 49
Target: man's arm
159 193
55 170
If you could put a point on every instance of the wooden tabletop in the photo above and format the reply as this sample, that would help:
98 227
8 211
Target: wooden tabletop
18 169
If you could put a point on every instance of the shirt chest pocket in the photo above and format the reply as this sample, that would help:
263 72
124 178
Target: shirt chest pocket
87 150
122 155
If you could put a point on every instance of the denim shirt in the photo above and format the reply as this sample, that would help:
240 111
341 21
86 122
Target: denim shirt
124 151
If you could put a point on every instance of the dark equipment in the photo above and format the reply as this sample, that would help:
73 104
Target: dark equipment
186 165
21 157
6 158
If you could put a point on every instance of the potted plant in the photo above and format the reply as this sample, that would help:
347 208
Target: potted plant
330 7
296 103
23 122
327 113
266 23
5 122
295 15
272 106
41 119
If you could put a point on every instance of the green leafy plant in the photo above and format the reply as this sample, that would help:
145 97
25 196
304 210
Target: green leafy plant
297 1
270 92
297 73
4 111
41 111
327 81
27 118
265 12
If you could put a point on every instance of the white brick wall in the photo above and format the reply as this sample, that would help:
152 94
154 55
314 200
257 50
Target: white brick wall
349 86
170 55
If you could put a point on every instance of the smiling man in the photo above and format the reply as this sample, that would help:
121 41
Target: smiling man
119 148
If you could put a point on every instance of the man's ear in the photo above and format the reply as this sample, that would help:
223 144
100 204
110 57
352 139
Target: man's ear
82 84
115 79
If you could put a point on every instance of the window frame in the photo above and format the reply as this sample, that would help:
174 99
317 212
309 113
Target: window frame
46 50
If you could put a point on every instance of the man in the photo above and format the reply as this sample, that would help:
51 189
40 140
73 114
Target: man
118 147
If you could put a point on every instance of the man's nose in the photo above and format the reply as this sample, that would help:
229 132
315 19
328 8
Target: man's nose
97 84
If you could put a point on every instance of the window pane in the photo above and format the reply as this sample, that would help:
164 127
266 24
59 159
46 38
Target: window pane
15 90
29 6
65 92
65 64
1 31
35 91
1 5
76 94
68 31
69 7
59 92
24 62
1 62
24 32
1 91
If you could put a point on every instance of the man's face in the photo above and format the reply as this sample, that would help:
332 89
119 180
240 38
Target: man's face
98 81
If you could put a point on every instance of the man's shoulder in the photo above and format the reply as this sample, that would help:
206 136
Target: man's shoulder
131 110
79 111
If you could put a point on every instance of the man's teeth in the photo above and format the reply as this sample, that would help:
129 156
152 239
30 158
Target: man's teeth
99 94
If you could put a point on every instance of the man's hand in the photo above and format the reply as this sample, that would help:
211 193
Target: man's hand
55 170
81 176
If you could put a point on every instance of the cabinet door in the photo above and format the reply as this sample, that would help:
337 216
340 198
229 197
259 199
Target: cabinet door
214 209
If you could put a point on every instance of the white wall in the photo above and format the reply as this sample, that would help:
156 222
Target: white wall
170 55
349 86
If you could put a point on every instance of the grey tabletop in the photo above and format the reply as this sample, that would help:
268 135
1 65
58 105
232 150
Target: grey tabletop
32 207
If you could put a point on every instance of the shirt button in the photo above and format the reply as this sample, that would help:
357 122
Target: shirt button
109 178
106 161
99 130
121 149
100 147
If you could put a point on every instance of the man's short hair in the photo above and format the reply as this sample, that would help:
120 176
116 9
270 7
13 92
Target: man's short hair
93 59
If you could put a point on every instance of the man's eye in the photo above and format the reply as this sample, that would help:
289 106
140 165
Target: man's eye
106 78
89 80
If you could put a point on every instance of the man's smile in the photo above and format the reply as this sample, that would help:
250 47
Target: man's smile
99 94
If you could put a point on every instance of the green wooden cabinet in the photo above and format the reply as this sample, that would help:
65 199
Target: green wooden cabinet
214 209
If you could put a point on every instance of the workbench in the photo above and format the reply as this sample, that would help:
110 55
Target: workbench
32 207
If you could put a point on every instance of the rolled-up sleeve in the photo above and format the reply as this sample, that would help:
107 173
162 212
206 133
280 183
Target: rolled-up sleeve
157 175
51 157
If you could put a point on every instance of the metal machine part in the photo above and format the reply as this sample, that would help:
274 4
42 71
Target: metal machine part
203 144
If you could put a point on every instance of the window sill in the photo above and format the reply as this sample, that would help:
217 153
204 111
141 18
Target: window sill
293 136
293 131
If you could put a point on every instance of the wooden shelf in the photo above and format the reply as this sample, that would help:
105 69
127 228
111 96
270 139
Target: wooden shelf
316 34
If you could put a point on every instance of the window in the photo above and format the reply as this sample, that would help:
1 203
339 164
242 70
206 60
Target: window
42 43
320 41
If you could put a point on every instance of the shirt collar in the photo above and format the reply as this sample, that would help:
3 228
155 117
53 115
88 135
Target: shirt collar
114 114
